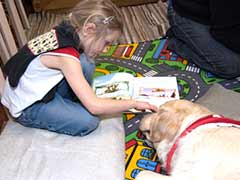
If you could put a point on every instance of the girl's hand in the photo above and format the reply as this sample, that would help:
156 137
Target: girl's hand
145 106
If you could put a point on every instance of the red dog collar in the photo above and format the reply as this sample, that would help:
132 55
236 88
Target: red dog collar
205 120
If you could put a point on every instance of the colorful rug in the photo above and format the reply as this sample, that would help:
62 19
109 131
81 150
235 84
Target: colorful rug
151 58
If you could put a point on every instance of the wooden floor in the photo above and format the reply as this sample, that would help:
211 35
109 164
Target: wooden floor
141 23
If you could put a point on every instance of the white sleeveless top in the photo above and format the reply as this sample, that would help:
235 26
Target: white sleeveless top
34 84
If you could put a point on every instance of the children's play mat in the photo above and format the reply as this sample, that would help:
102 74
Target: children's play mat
151 58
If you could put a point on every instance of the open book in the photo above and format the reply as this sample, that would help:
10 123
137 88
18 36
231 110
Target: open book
155 90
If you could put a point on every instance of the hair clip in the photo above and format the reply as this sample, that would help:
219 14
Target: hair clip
107 20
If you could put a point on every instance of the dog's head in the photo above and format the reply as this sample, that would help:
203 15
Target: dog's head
165 124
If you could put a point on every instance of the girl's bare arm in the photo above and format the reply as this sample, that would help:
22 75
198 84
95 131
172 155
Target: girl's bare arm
73 73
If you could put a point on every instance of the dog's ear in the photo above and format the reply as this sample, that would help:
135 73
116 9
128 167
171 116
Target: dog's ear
165 126
146 123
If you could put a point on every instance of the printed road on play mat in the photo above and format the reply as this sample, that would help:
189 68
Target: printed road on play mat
151 58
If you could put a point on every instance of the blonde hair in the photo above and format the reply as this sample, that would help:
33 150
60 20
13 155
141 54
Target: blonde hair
103 13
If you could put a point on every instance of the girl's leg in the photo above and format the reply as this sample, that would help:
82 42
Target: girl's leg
194 42
60 115
88 68
63 114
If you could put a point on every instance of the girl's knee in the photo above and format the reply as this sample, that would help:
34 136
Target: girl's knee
89 126
82 127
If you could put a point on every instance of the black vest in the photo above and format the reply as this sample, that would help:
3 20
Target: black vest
63 35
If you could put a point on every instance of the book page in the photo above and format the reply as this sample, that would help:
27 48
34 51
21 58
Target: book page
116 86
155 90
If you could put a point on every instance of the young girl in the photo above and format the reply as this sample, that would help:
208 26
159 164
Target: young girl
48 87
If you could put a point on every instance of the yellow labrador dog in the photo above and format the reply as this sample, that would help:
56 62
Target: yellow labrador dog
192 142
